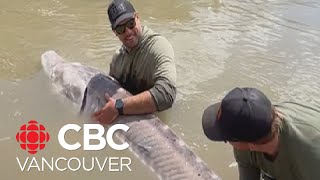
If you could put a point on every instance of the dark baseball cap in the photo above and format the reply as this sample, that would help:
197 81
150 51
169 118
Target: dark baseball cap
244 114
120 10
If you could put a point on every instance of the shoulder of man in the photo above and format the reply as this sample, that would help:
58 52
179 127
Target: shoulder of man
118 52
301 114
149 34
301 128
302 137
158 44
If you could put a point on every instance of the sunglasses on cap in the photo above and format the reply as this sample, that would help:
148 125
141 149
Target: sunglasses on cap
120 29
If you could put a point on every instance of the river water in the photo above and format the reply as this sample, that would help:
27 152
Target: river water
271 45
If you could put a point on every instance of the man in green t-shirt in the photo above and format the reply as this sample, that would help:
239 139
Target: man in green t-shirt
273 141
144 65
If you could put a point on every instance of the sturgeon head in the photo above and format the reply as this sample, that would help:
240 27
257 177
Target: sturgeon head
69 79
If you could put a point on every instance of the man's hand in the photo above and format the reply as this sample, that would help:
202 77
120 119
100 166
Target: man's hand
108 113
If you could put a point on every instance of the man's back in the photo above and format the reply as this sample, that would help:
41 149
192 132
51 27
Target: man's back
299 152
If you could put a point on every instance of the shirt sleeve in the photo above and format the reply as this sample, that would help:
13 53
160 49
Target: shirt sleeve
164 76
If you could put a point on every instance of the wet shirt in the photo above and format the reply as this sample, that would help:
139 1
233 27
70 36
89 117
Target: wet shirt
299 153
148 66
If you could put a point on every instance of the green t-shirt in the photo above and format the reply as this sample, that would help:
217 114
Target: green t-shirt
148 66
299 153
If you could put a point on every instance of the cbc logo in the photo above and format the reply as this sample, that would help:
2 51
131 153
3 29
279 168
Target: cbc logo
32 137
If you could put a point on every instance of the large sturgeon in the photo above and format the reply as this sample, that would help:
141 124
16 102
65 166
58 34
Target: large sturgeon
152 141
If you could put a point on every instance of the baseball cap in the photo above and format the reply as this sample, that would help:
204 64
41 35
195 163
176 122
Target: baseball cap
119 10
244 114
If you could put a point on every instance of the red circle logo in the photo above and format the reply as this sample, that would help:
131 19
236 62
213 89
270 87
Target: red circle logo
32 137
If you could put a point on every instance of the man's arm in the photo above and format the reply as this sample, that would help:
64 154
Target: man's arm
248 173
139 104
162 95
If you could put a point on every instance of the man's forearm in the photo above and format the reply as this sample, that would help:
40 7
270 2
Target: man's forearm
250 173
142 103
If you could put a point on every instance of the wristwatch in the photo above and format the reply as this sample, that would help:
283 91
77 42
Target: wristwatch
119 106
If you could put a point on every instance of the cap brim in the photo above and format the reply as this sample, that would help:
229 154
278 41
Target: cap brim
121 18
210 124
